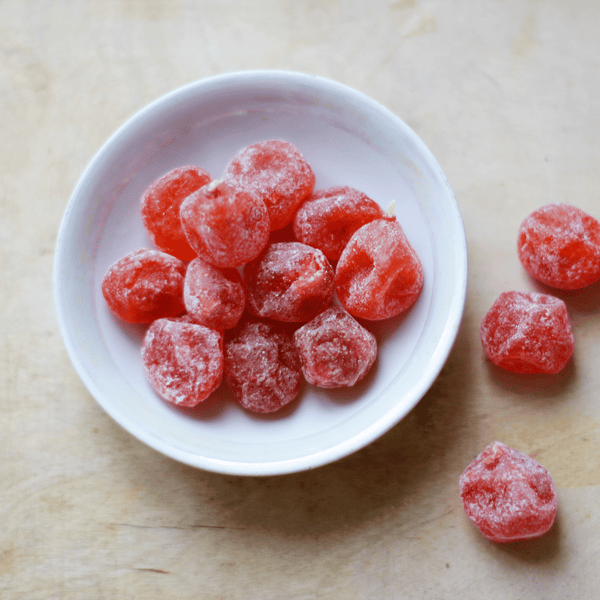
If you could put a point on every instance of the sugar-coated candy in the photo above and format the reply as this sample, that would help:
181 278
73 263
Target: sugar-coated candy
262 367
183 361
527 332
329 217
559 245
224 224
145 285
289 282
379 275
213 297
508 495
160 209
277 172
335 349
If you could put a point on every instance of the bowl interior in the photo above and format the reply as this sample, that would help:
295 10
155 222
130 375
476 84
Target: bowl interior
348 139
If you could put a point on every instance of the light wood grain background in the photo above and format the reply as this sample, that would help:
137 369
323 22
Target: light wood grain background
505 94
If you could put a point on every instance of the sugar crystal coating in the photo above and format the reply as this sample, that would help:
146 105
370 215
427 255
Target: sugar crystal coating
277 172
262 367
508 495
213 297
225 225
335 350
183 361
160 209
528 333
289 282
145 285
379 275
559 245
329 217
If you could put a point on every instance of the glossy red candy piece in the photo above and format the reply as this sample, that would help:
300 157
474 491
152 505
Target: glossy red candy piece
214 297
262 367
145 285
225 225
528 333
160 209
329 218
508 495
289 282
379 275
335 350
559 245
183 361
277 172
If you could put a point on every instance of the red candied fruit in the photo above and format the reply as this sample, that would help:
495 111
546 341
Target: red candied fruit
289 282
226 225
160 209
379 275
527 333
559 245
329 218
508 495
335 350
183 361
214 297
262 367
145 285
278 173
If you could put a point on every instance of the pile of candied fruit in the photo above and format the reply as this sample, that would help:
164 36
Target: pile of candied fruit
241 286
226 283
508 495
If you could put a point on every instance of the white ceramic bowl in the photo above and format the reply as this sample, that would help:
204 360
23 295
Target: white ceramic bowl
349 139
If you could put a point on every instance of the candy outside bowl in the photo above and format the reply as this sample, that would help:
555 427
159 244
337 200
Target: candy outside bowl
348 139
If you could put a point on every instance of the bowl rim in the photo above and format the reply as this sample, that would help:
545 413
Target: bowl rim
365 436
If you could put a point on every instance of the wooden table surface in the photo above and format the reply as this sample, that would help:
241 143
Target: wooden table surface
505 94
